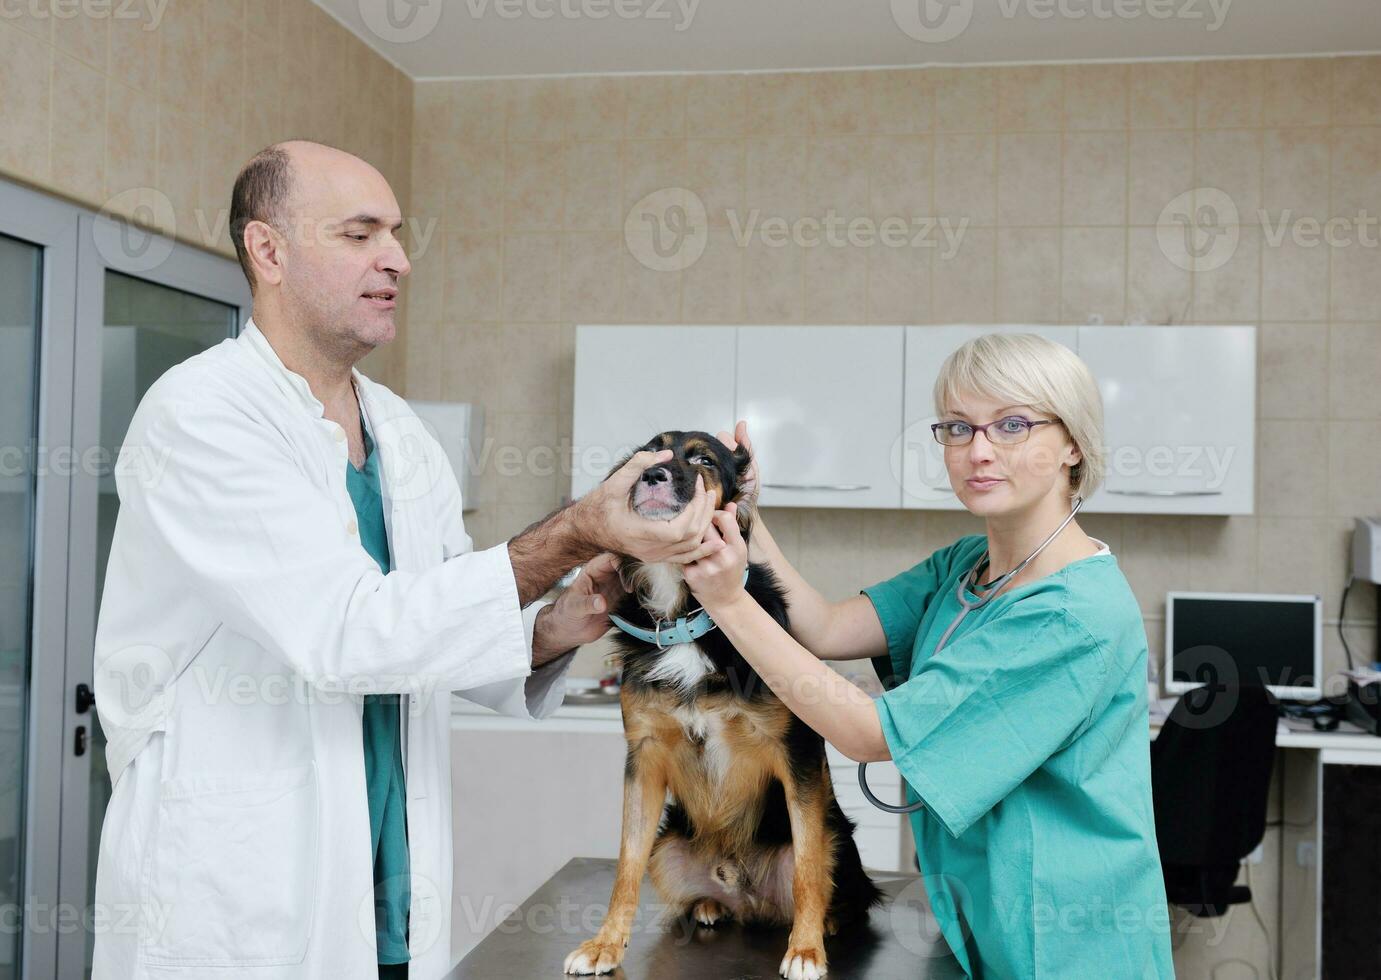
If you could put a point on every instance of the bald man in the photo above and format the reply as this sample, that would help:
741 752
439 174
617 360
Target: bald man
290 603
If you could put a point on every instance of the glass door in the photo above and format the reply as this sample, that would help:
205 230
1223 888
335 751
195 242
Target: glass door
37 269
144 304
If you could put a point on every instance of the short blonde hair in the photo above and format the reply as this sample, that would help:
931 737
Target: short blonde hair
1028 369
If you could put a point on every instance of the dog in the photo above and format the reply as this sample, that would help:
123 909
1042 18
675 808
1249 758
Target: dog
752 830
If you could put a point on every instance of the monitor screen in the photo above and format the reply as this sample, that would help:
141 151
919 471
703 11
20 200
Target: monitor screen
1269 640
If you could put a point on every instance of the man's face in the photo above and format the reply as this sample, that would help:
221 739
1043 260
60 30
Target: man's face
344 259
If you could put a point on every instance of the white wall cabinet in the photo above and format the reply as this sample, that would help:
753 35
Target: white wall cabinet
823 406
1179 406
841 415
634 382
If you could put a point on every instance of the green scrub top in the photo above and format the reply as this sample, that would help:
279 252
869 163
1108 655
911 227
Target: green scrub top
383 748
1027 737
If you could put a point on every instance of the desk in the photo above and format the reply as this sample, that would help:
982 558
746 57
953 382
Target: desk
532 943
1349 745
1337 839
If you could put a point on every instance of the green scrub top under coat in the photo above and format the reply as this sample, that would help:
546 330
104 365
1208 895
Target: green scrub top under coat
1027 738
383 749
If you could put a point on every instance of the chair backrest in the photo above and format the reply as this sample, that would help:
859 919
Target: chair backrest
1211 773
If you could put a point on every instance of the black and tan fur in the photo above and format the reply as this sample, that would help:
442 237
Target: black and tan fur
753 830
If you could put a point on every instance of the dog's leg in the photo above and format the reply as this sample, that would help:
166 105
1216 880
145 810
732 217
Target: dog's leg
644 793
812 875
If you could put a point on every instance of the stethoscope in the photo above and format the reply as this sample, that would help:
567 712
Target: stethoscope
968 583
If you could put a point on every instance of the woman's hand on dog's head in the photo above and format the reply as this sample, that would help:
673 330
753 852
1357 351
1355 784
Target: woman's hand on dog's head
751 481
717 579
613 525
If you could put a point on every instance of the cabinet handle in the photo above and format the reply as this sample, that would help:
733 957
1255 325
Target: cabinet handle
1168 493
817 486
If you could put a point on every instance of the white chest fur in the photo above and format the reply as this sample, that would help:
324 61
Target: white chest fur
683 665
662 591
661 588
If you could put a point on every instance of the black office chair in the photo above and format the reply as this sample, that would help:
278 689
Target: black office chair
1210 775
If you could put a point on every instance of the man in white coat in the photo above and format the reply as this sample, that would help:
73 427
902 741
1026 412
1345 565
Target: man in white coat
244 626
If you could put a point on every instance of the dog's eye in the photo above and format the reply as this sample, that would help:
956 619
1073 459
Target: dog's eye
702 460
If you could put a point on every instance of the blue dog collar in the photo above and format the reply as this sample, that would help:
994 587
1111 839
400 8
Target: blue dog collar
667 633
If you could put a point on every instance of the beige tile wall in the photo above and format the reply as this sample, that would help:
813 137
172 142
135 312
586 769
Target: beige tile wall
1062 173
95 106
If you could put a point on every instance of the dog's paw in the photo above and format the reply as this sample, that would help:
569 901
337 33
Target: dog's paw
707 911
803 963
595 956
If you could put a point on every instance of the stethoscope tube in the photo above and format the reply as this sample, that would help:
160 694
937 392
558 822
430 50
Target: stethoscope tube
990 591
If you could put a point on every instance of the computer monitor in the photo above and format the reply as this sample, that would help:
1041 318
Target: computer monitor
1244 638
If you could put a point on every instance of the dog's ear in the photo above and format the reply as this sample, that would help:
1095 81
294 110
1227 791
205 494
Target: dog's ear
745 510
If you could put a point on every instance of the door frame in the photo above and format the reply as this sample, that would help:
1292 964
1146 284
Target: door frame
107 243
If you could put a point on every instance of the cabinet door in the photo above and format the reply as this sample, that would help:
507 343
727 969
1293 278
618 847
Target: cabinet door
918 457
1179 406
634 382
824 407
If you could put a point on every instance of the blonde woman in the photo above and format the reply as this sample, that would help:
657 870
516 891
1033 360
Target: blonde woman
1023 737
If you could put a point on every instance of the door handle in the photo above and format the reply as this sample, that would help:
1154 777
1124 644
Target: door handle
1168 493
817 486
86 698
79 743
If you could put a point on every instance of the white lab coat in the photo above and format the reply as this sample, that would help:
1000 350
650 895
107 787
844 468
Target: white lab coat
241 624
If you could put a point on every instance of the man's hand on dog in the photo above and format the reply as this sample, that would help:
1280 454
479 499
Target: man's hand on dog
717 579
580 614
615 527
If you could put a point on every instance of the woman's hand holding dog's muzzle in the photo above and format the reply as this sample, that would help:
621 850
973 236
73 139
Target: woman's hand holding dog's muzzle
717 579
614 526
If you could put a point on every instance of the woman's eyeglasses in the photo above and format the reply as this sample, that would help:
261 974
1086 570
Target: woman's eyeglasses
1007 431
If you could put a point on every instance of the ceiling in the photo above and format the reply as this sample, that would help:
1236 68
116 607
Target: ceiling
485 38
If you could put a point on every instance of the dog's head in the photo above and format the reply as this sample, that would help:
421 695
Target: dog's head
664 490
